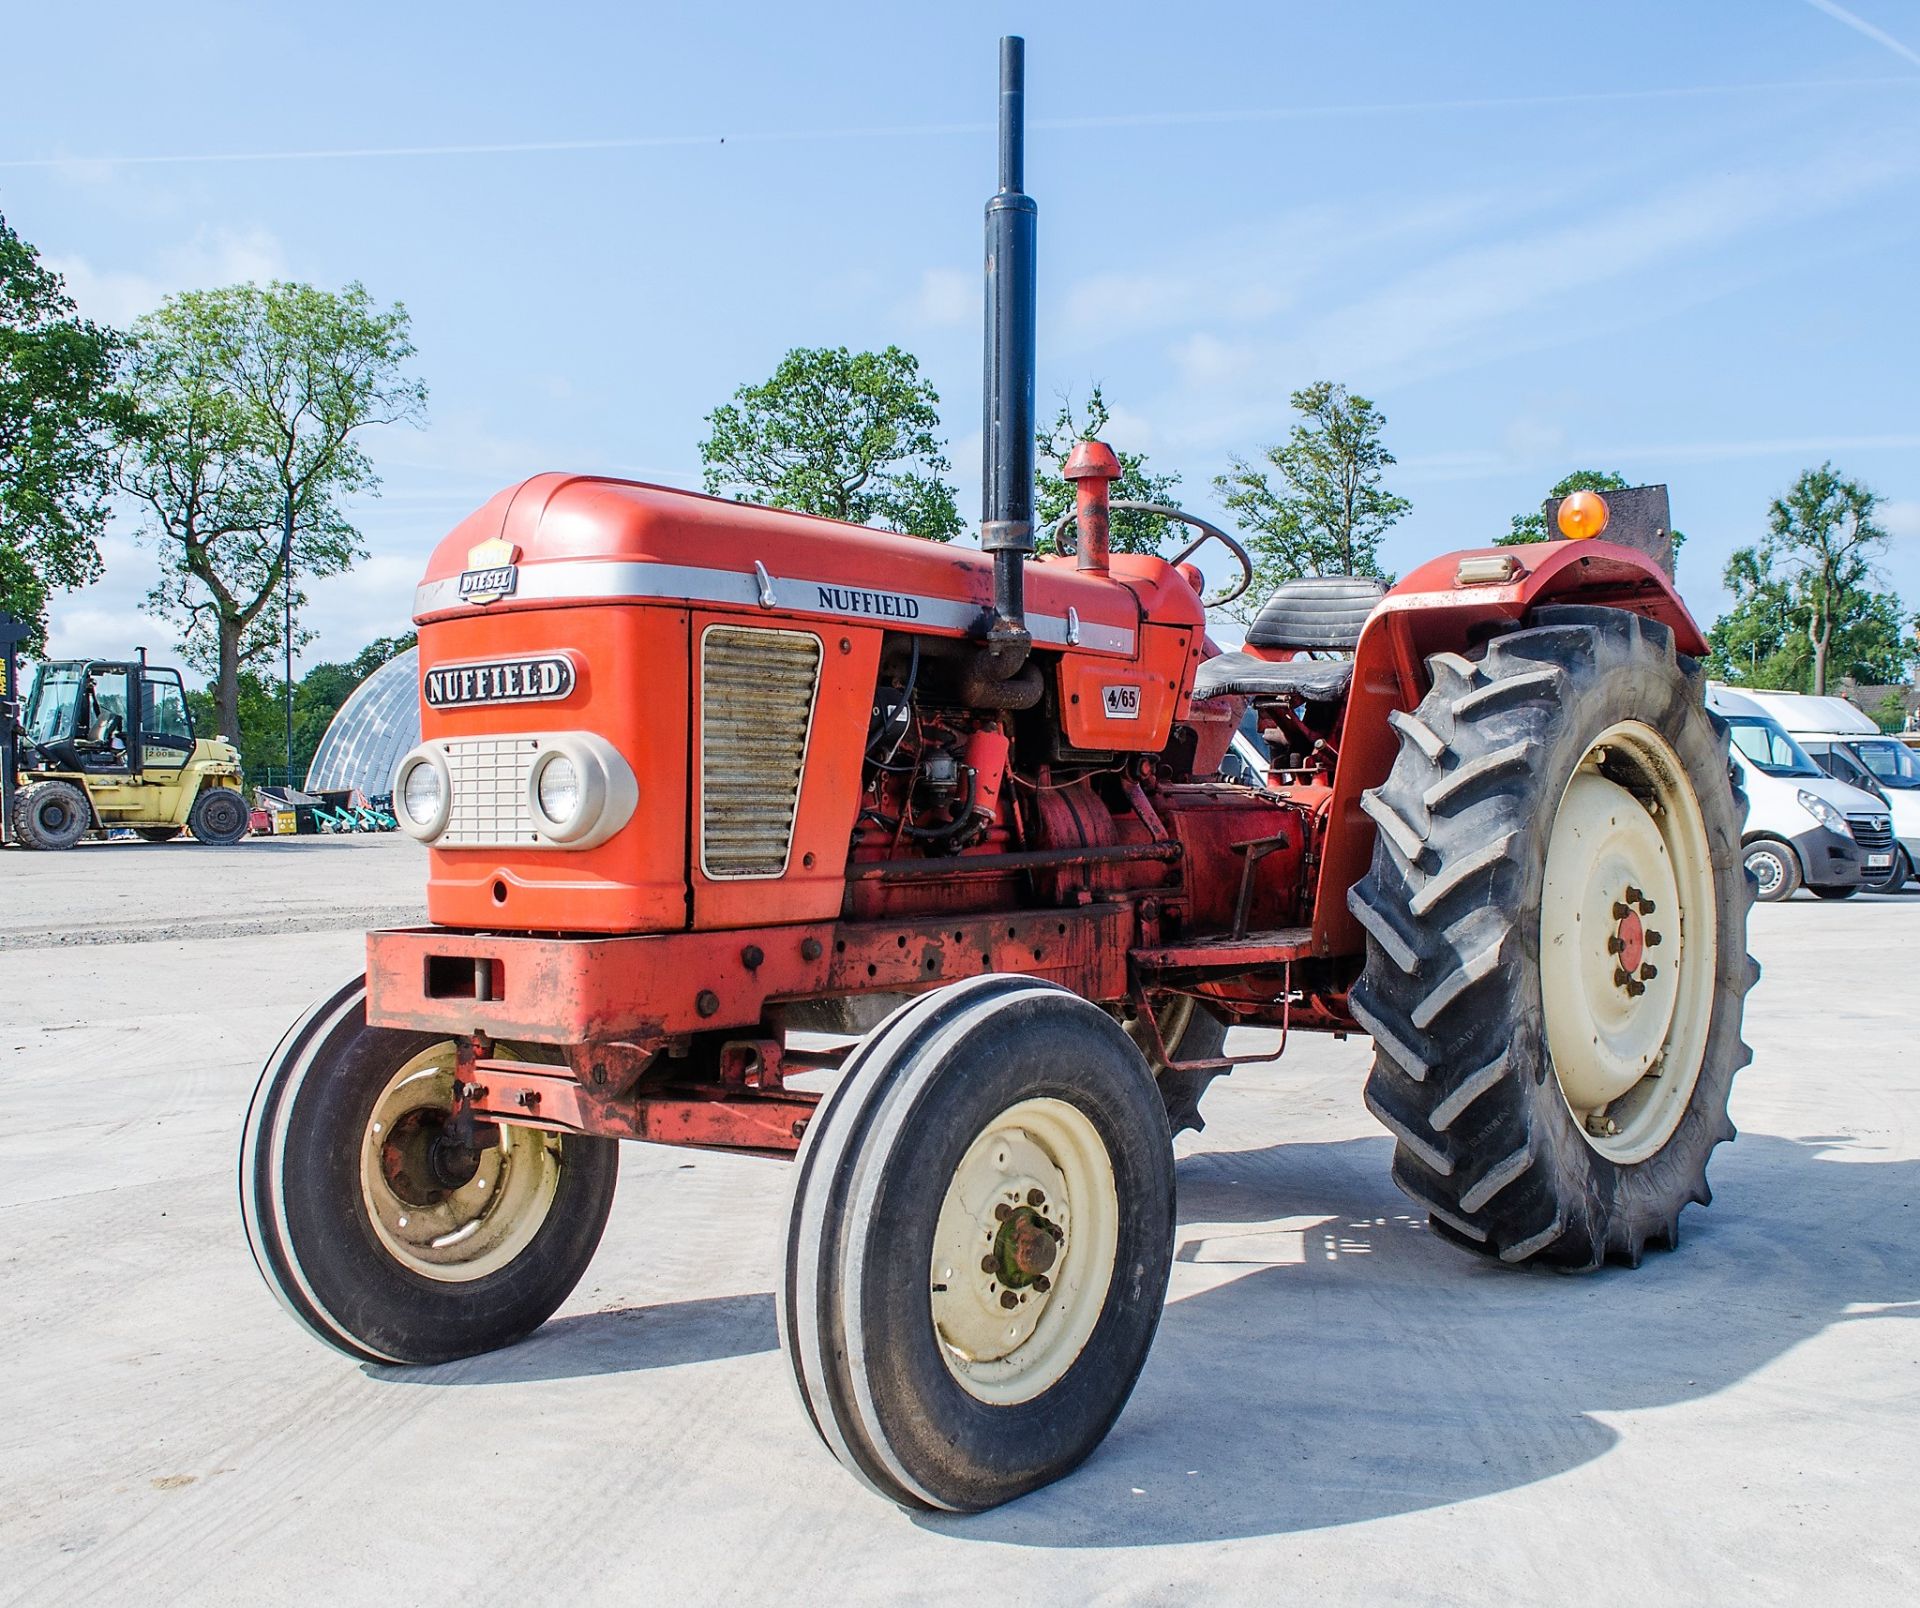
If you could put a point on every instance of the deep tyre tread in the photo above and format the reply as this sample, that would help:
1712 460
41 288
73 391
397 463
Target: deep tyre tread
855 1322
51 815
305 1215
1485 1142
219 817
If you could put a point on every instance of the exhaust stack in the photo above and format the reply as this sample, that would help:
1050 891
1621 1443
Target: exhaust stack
1006 524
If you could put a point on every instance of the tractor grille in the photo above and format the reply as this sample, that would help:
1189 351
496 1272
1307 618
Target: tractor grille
756 704
489 777
1874 833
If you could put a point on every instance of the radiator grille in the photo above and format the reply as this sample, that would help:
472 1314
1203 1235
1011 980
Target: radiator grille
1874 833
489 776
757 690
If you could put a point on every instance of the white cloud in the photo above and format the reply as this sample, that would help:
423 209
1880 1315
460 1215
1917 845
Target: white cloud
215 256
1901 518
946 297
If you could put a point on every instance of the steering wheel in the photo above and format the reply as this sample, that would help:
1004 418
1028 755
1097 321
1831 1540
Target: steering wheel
1209 532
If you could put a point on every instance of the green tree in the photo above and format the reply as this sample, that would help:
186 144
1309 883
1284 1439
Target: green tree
1329 508
252 399
1053 494
1532 527
1806 611
1890 713
58 413
849 435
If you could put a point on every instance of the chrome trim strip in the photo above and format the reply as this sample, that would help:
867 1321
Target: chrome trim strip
579 580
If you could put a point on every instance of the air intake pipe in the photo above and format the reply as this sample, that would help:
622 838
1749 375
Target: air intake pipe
1006 524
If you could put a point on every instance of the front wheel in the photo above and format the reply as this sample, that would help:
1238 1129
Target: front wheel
1556 942
378 1228
51 815
978 1249
1775 870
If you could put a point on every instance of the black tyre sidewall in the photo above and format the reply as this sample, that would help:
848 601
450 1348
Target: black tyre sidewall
1790 879
76 815
958 1451
210 802
310 1218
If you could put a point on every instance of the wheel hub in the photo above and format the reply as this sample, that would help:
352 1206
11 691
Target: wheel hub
1623 998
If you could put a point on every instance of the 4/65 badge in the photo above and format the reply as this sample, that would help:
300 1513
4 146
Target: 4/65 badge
1122 702
493 570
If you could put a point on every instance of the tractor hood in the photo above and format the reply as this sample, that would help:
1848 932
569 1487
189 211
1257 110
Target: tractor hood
559 541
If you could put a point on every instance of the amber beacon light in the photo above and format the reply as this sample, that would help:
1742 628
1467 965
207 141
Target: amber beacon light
1583 516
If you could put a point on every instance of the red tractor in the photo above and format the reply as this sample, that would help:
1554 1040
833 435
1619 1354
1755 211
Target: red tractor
702 780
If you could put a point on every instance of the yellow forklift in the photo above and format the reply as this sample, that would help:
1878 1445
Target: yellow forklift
100 744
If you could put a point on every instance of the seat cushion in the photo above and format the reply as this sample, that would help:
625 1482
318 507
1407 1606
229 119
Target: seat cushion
1312 680
1317 611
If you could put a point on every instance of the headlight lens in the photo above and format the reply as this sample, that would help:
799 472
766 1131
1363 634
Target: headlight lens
421 795
1824 813
559 789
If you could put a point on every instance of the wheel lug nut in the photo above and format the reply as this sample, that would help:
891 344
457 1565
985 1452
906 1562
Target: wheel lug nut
1620 911
1035 1198
1002 1212
1615 945
1646 907
1648 972
986 1264
1042 1283
1009 1300
1621 977
1652 939
1634 895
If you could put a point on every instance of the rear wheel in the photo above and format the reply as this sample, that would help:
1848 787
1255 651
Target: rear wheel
1775 870
218 817
978 1250
1556 957
51 815
378 1228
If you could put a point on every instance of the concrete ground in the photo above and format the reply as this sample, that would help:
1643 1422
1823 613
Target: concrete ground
1339 1409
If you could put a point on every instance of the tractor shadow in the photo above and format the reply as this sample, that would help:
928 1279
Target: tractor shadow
624 1340
1326 1360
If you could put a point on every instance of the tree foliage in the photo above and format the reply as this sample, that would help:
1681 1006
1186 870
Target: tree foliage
1806 610
251 399
58 409
317 698
848 435
1053 493
1532 527
1326 507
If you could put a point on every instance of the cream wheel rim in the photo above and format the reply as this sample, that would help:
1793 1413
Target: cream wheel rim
447 1214
1627 942
1023 1251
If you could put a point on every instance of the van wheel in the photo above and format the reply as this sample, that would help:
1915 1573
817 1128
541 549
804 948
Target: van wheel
1775 870
1896 877
979 1244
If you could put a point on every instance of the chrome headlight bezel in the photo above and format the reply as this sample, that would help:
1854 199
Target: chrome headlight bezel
430 756
608 792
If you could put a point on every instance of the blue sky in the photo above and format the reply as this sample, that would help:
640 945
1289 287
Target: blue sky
1675 241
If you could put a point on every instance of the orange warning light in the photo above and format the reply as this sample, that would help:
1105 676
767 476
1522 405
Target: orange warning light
1583 515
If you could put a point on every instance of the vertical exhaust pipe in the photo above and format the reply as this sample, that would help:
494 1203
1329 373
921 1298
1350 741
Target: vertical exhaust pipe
1006 523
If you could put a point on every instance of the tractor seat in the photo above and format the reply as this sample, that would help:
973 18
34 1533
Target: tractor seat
1297 680
1315 613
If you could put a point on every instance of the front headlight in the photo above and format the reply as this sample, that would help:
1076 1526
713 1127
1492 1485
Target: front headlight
580 790
424 791
1824 813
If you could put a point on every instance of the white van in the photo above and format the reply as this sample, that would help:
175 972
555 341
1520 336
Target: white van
1845 743
1803 827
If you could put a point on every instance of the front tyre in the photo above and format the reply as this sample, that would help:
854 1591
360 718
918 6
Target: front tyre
377 1228
1775 870
1556 955
979 1245
51 815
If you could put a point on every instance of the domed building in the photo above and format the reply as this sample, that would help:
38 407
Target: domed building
377 724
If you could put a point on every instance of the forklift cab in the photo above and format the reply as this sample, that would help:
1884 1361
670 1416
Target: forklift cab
82 715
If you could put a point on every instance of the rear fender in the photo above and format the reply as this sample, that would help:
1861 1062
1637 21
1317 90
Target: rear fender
1431 612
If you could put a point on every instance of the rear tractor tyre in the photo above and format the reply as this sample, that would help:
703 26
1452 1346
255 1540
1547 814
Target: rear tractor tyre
51 815
157 834
219 817
1775 870
377 1228
979 1244
1556 942
1191 1032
